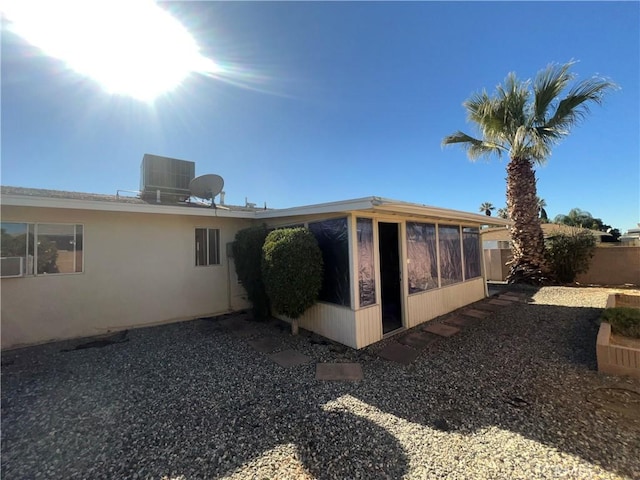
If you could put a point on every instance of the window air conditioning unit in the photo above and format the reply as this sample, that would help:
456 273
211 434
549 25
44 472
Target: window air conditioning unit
11 267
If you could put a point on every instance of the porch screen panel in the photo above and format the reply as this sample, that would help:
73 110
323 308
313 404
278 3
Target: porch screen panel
422 269
366 266
450 254
471 250
333 239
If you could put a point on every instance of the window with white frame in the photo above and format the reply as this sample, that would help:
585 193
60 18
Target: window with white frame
41 249
207 246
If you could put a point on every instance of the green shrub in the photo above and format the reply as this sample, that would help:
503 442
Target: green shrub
292 270
624 321
567 255
247 253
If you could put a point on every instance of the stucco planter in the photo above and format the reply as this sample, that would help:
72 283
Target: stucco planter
618 355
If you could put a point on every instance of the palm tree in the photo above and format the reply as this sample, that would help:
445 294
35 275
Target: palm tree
525 120
543 212
486 207
503 213
576 218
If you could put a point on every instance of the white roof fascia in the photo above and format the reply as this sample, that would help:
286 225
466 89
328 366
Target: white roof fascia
378 204
366 203
441 213
48 202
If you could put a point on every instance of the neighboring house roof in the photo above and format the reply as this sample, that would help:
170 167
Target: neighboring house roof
548 230
31 197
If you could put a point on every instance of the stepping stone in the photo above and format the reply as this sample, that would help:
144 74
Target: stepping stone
351 372
266 344
472 312
245 332
511 298
502 303
418 340
460 321
398 353
229 321
485 305
239 328
289 358
441 329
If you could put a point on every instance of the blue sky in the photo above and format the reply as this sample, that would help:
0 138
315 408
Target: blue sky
347 100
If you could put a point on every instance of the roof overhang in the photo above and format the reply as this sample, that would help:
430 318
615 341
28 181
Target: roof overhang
384 206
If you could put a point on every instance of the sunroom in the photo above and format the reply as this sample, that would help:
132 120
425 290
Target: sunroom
388 265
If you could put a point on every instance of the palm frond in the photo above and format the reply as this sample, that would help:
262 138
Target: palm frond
459 137
475 148
575 106
548 84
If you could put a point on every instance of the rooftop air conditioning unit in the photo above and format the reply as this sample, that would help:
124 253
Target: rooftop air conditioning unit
165 179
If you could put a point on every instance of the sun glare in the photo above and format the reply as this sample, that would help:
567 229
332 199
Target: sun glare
131 47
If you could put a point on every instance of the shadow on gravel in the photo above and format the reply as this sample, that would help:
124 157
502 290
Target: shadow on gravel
193 400
179 402
537 379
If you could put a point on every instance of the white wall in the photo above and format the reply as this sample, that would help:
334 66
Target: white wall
139 269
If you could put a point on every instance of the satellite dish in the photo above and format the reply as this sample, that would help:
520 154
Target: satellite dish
206 186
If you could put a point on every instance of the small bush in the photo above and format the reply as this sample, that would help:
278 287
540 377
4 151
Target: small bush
247 253
624 321
567 255
292 270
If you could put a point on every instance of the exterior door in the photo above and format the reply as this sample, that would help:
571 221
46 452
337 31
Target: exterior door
390 276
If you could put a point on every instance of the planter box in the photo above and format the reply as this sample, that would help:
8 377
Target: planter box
618 355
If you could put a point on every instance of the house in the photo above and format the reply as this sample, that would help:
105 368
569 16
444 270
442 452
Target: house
76 264
632 237
500 237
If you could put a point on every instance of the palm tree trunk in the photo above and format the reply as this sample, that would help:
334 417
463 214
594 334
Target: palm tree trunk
527 240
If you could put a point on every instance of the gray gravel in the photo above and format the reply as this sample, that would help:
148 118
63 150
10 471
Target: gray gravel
513 396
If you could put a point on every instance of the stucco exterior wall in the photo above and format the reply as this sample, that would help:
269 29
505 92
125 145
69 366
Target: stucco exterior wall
613 266
139 269
495 263
610 265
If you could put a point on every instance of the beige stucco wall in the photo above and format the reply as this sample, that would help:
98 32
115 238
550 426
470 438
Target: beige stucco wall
495 263
613 266
139 269
610 265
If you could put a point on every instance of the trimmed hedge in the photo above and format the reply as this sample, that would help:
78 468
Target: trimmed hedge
247 253
292 270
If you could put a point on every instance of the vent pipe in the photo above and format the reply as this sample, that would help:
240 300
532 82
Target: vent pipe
221 198
158 196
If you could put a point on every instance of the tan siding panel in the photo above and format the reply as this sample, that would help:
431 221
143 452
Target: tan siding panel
368 325
331 321
425 306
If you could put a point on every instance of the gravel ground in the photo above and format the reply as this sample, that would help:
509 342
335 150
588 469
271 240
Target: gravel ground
513 396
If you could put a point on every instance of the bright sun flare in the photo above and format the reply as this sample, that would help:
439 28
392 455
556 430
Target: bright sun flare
130 47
